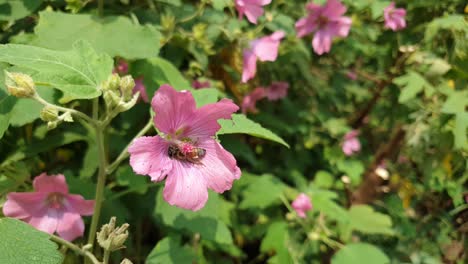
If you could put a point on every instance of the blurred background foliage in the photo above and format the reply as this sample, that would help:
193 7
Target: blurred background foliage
401 199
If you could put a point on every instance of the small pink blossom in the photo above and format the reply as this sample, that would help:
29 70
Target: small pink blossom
301 205
277 90
250 100
121 68
351 143
50 208
196 84
327 22
140 87
251 8
394 17
351 75
263 49
185 153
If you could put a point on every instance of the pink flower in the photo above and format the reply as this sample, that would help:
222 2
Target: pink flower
251 8
351 143
250 100
186 153
277 90
394 17
140 87
200 85
121 68
264 49
327 22
352 75
50 208
301 205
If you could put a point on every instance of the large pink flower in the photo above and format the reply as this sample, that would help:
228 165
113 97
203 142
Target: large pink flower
351 143
50 208
250 100
251 8
264 49
394 17
327 22
301 205
277 90
185 152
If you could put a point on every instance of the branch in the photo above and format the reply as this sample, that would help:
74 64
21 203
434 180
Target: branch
75 248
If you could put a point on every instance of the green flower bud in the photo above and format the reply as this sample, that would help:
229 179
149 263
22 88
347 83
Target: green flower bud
112 83
126 261
49 113
111 238
19 84
111 98
126 85
51 125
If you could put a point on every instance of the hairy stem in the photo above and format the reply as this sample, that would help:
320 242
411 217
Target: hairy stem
78 250
106 257
124 154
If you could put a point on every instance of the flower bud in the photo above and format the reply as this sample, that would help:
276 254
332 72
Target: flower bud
19 84
124 106
49 113
111 98
126 85
126 261
51 125
112 83
111 238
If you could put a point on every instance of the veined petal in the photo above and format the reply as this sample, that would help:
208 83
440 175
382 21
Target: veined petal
219 166
173 109
70 226
76 203
205 120
23 205
52 183
148 156
186 187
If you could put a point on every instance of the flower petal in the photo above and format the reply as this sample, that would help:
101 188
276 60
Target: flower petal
322 42
70 226
219 166
76 203
173 109
148 156
23 205
333 9
205 120
52 183
250 65
266 48
185 186
47 221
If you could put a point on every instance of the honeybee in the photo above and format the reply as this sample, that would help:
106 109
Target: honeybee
194 156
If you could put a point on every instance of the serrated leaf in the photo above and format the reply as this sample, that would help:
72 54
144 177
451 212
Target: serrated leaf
360 253
363 218
197 222
114 35
169 250
27 110
412 83
240 124
452 22
455 103
270 188
22 243
77 73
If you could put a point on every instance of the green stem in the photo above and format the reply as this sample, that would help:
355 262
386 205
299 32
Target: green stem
106 257
101 183
101 7
75 248
124 154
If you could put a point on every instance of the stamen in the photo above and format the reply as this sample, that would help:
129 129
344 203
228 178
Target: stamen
55 200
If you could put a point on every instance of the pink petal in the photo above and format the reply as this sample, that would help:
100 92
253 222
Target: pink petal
250 66
172 108
305 26
186 187
205 119
52 183
322 42
23 205
249 101
301 205
70 226
148 156
47 221
266 48
140 87
253 12
333 9
277 90
76 203
340 26
219 166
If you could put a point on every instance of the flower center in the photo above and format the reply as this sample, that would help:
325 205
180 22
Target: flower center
55 200
322 21
186 151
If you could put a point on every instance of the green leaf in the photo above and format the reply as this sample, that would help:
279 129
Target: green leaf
197 222
276 240
363 218
27 110
452 22
136 183
353 168
241 124
412 83
459 131
323 179
7 104
90 160
170 251
205 96
16 9
220 4
377 8
22 243
77 73
114 35
360 253
455 103
270 188
323 201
